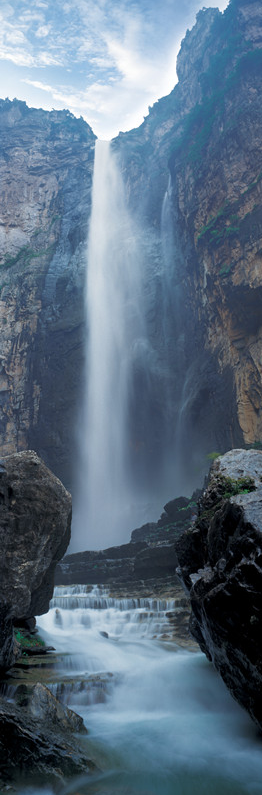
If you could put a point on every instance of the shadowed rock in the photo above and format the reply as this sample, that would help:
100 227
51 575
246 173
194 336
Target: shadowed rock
37 739
35 521
221 568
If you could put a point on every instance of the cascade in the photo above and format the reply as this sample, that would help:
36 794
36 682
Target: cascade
159 719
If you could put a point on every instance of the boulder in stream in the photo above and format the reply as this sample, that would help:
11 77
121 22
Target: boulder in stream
37 742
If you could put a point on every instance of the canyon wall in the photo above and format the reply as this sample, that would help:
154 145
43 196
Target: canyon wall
205 137
198 158
46 164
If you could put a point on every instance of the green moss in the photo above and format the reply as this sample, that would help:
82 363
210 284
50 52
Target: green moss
28 641
24 256
231 486
226 488
213 456
218 81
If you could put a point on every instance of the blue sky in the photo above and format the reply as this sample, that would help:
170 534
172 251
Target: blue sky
106 60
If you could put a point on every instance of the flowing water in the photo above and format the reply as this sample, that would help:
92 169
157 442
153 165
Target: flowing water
134 350
115 335
160 721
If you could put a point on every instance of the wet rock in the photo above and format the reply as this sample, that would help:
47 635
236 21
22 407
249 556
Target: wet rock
44 707
221 568
124 563
35 521
150 553
36 739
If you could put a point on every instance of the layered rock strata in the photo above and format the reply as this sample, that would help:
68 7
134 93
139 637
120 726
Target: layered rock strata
35 524
46 162
149 555
221 568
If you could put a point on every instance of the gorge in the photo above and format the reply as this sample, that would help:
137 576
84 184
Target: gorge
130 312
196 160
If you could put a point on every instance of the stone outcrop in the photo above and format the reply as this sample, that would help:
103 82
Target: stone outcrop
37 739
35 523
127 563
149 555
221 567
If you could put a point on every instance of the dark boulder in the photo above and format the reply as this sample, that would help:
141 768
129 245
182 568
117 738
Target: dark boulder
37 740
35 522
221 568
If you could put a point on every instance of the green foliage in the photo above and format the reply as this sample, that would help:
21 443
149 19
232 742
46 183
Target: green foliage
28 641
227 223
218 81
226 268
213 456
24 256
217 228
231 486
226 488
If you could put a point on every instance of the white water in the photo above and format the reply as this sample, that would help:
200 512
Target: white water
106 503
165 724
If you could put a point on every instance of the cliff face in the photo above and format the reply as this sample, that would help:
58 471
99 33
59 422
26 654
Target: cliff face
217 169
207 136
193 173
46 171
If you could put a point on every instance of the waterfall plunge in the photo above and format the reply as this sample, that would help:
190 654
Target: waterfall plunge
105 509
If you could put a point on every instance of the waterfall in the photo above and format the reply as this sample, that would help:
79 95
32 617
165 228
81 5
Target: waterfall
173 341
105 507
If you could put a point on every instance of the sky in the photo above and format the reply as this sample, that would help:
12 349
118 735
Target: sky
105 60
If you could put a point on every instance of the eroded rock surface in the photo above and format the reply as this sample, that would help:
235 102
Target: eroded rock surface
204 141
46 162
221 568
126 563
35 523
37 740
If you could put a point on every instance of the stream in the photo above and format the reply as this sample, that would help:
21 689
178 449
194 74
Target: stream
159 719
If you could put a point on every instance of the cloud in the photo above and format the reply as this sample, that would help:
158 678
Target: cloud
38 84
43 31
104 59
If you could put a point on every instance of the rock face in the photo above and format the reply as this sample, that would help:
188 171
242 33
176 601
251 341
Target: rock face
37 740
35 522
150 554
221 568
118 565
204 140
46 162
